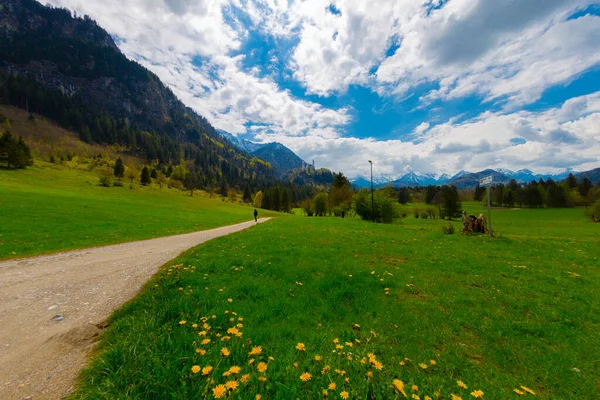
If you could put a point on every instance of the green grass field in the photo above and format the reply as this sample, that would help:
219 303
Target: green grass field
52 208
350 308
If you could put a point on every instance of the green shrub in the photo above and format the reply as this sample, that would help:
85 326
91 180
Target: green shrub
448 230
416 211
106 177
593 211
424 214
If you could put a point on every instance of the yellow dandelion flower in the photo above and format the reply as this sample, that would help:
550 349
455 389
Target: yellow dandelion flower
256 350
230 300
401 362
325 369
226 374
295 365
339 346
240 326
205 341
182 322
318 358
427 398
477 394
363 361
251 361
206 370
201 351
225 352
432 362
336 340
344 395
461 384
347 380
261 367
455 397
332 386
196 369
202 333
399 386
369 375
194 326
377 365
231 385
325 394
205 326
415 388
225 338
232 331
271 358
528 390
245 378
371 356
235 369
349 344
219 391
517 391
300 347
262 378
305 377
415 397
423 366
258 397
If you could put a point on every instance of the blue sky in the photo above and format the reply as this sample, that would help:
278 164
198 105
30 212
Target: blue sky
426 85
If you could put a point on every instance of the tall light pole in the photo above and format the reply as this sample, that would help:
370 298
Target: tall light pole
372 196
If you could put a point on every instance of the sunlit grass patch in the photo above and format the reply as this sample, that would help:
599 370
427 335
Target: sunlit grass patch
379 312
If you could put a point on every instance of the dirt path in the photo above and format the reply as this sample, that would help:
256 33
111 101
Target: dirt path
41 357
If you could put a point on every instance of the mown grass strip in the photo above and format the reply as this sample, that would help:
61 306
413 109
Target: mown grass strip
366 310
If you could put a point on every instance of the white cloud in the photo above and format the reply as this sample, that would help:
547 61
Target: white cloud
166 36
494 49
555 139
500 51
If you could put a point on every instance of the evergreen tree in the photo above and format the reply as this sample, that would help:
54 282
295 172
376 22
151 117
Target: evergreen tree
145 178
119 170
286 206
247 197
451 206
13 152
403 195
571 181
585 186
224 189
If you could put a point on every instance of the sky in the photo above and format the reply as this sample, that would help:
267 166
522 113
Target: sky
431 86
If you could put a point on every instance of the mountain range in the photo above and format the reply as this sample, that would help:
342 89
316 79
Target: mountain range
465 179
281 158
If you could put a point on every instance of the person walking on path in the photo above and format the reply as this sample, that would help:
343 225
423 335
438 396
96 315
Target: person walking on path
255 215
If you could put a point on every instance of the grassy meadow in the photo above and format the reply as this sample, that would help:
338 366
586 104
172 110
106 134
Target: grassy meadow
47 208
341 308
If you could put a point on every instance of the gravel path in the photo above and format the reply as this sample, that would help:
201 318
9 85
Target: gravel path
52 308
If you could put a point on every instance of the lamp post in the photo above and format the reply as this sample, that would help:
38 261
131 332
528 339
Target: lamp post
372 196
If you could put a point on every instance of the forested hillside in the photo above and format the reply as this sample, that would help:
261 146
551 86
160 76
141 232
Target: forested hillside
69 70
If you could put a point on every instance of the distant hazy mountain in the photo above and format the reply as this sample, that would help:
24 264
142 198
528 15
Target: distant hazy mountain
281 158
242 144
470 180
465 179
593 175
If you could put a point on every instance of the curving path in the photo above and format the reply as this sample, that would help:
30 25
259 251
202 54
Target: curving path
40 357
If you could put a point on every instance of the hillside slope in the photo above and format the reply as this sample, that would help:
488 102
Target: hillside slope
70 70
